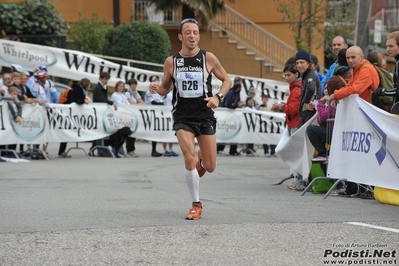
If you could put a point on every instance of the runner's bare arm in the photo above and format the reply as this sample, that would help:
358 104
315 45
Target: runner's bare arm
217 69
165 86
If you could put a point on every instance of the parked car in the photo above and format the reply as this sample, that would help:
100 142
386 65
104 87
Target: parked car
60 87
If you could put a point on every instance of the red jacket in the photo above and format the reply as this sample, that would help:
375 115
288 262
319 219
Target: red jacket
364 77
291 108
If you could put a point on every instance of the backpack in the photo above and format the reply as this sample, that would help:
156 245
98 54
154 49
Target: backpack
65 96
386 81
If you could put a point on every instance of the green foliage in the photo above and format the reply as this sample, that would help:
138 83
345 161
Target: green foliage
32 18
138 40
88 34
306 19
341 21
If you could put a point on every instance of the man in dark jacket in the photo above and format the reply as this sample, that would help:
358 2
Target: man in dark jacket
311 89
233 101
100 95
100 91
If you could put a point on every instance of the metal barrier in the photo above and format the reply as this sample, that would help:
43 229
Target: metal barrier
329 132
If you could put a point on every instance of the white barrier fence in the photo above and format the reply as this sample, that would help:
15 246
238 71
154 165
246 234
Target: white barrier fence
78 123
364 147
75 65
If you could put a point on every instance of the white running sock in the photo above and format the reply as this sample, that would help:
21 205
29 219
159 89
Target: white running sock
192 181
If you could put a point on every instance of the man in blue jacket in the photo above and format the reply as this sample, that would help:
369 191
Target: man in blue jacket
338 44
233 101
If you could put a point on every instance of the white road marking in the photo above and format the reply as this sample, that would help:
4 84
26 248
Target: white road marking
375 226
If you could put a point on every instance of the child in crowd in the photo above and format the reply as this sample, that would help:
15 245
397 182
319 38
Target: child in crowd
250 105
15 108
14 105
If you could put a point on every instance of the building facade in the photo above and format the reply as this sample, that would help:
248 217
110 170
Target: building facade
248 41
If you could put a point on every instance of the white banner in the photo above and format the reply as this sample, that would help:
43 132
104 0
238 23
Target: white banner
365 145
71 64
296 150
77 123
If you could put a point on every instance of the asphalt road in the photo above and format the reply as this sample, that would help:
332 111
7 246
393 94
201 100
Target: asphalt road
130 211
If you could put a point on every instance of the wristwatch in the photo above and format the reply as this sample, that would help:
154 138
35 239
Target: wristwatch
220 96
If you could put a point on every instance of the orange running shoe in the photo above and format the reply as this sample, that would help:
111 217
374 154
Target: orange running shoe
200 169
195 212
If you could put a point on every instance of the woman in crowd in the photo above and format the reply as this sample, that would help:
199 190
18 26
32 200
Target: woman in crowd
291 107
120 98
78 94
135 98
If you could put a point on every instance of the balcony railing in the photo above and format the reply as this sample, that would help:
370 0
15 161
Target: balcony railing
143 10
389 17
267 47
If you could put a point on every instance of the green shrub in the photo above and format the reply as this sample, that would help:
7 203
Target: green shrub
32 18
88 34
138 40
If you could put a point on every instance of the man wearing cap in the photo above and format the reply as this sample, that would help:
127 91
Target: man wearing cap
44 90
311 89
32 79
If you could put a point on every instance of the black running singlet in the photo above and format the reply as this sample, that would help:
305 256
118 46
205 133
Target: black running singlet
192 83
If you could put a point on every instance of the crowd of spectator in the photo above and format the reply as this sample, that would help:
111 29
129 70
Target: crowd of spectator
18 87
309 92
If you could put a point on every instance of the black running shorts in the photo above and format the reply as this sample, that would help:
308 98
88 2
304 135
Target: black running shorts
206 126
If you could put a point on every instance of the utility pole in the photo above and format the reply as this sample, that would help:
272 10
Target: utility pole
363 25
116 13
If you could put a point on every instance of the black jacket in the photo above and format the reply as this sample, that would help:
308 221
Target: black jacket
100 95
23 90
395 91
77 94
311 89
395 105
